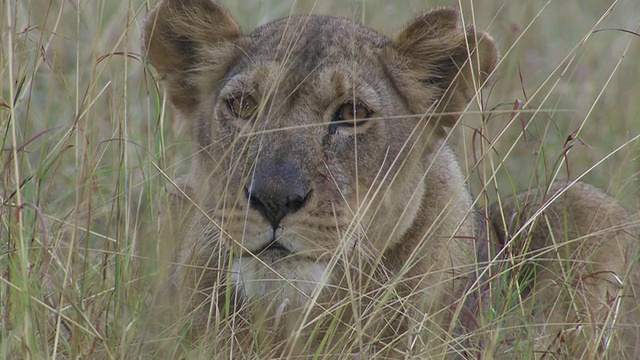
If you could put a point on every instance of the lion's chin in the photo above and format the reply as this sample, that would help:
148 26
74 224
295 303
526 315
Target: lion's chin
278 277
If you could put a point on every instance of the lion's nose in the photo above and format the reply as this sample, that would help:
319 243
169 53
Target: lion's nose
275 209
277 190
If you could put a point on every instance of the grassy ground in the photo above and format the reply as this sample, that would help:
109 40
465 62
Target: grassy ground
84 130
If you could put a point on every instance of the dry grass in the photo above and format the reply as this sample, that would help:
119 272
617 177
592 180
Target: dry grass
84 129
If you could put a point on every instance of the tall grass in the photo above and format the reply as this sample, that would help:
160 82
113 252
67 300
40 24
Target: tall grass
84 131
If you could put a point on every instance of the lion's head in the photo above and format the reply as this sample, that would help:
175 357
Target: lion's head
319 143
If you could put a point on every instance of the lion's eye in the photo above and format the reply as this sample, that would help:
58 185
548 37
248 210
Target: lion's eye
352 111
242 106
350 114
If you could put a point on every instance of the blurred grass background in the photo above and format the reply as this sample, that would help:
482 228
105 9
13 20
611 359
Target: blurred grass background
83 128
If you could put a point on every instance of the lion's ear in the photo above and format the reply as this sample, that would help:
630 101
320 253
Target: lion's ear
440 51
180 37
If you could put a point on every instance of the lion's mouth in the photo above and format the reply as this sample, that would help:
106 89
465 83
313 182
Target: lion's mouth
274 247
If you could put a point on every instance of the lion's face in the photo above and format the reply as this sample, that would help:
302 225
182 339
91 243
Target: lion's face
315 134
306 131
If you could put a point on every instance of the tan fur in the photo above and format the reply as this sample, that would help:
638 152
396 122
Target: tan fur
582 248
374 230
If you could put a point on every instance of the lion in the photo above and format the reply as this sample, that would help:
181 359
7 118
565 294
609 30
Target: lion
325 215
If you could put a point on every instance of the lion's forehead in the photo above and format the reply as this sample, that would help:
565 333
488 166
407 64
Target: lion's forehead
318 38
317 89
304 49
